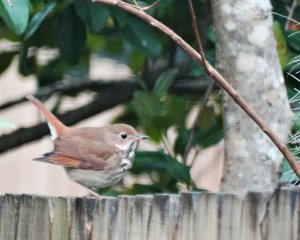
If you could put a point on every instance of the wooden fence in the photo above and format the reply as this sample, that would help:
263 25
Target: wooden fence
159 217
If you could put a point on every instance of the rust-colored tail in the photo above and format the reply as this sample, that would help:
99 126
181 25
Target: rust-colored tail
56 127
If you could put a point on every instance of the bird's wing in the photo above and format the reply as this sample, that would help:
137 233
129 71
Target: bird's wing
78 152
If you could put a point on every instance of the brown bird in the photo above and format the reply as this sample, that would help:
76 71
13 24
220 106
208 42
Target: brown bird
93 157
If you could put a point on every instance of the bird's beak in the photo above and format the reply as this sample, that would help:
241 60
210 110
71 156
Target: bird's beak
141 137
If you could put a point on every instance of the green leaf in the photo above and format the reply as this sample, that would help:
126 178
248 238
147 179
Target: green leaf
144 189
51 72
208 133
147 108
176 109
296 126
211 34
181 141
6 59
15 14
143 37
179 171
46 33
122 17
109 192
293 40
206 118
145 105
210 130
136 61
27 64
287 174
163 82
71 36
4 123
37 20
157 115
23 68
281 44
149 161
159 161
94 15
114 45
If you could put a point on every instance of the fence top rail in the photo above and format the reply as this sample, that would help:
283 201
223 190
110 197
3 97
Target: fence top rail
190 215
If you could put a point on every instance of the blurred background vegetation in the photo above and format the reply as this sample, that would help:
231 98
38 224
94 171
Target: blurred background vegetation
165 85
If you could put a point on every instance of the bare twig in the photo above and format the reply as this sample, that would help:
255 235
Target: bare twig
290 19
291 11
148 7
151 6
167 146
198 39
266 212
215 75
195 122
208 91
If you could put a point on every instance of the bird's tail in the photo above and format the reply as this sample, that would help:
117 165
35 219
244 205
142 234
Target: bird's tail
56 127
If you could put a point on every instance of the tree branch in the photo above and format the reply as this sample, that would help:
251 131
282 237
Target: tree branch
291 11
214 74
70 87
180 85
102 102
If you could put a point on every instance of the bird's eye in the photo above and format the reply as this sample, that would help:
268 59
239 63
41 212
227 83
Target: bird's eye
123 135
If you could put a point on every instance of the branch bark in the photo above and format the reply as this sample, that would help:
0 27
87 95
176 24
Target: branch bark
214 74
101 103
70 88
192 86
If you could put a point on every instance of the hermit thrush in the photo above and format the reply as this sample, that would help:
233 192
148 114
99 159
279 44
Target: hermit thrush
93 157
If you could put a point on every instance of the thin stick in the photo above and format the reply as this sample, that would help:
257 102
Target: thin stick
148 7
214 74
195 122
291 11
151 6
198 39
208 90
167 146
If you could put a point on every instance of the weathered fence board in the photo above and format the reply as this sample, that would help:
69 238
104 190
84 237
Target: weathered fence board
207 216
104 218
282 216
59 215
188 216
253 214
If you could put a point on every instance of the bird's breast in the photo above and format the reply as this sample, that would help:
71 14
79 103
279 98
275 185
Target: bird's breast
126 162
